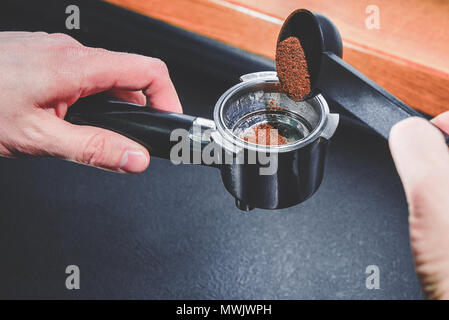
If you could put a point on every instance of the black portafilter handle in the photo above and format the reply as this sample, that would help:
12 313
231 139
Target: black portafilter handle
342 85
149 127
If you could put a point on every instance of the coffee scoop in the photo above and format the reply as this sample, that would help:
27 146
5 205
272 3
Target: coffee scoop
343 86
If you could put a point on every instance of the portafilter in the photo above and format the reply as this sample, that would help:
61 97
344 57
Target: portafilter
266 176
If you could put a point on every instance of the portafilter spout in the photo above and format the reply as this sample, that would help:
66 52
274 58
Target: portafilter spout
342 85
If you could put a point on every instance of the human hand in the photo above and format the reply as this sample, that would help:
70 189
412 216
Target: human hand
44 74
422 160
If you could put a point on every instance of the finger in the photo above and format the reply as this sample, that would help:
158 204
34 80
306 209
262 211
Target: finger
442 121
103 70
92 146
136 97
9 34
58 38
422 160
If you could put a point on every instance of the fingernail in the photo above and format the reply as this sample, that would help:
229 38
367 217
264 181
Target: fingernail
133 161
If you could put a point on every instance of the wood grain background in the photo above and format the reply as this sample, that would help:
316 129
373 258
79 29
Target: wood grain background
408 55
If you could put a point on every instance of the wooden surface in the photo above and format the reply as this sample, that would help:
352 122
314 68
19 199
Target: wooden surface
408 55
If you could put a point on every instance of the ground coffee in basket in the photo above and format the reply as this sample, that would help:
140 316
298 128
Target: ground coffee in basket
265 134
291 67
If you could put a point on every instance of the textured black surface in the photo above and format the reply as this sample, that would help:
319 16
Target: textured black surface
174 232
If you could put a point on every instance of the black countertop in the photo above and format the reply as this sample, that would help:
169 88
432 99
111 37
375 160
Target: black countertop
174 232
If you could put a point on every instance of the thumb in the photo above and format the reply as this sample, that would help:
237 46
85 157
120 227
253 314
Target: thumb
94 146
422 160
442 121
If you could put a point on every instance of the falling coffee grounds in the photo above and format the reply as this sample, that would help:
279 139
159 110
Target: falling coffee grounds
291 66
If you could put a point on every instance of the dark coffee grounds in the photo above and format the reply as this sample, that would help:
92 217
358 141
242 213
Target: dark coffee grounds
273 106
291 66
263 134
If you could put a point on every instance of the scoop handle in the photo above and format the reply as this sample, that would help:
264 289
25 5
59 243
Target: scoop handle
150 127
346 87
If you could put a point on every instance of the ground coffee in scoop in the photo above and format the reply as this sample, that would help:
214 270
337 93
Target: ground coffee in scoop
291 66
